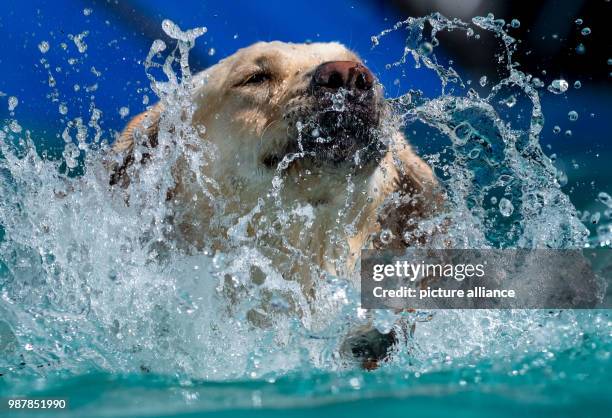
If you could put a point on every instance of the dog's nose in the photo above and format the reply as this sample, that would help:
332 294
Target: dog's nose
349 75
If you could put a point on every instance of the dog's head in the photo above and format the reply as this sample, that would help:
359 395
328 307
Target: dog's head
312 110
315 104
313 113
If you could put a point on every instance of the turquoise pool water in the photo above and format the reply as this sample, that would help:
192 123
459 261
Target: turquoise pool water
571 383
91 313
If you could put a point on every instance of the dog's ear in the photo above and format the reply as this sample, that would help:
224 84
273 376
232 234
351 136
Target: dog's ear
142 130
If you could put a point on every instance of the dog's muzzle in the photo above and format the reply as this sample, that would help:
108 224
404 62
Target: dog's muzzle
345 118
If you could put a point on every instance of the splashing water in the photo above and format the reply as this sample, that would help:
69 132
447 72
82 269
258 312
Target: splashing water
89 282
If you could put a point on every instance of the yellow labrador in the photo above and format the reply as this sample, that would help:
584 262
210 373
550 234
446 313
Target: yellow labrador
303 127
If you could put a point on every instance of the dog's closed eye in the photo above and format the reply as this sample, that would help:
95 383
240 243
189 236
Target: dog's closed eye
259 77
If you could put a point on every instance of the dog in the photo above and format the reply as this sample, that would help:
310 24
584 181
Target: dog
303 128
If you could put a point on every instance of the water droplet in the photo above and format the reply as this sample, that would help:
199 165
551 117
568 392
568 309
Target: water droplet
515 23
483 81
211 52
580 49
578 21
586 31
43 47
573 115
12 103
63 109
568 132
355 383
156 47
505 207
385 236
493 200
91 88
595 218
462 133
28 347
537 83
15 127
561 178
558 86
556 129
609 61
510 101
172 30
577 84
605 198
235 36
87 11
79 41
124 111
426 48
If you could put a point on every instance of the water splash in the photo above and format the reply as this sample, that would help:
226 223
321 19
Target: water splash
90 282
558 86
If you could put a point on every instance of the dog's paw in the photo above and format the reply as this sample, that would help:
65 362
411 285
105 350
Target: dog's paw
369 347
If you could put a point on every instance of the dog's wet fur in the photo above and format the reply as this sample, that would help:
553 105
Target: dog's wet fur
319 101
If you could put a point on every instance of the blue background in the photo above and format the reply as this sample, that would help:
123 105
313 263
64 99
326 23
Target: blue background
121 32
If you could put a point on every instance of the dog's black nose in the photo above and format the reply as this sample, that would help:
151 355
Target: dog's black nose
349 75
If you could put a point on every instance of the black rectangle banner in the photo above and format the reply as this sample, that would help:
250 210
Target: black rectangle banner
485 279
